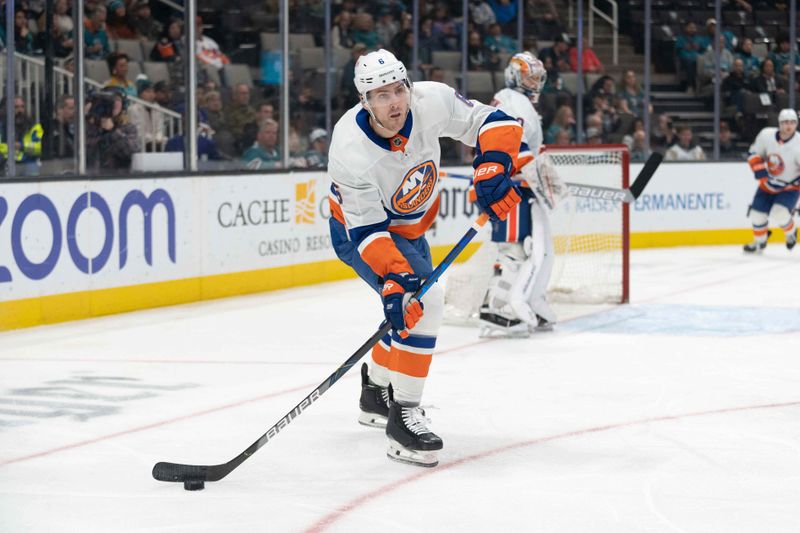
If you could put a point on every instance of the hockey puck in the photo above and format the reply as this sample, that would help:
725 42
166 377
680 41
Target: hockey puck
194 484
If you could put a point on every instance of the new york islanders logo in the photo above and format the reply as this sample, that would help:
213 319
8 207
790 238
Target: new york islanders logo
775 165
417 188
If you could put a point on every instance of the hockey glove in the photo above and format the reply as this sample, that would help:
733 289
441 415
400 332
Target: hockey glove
395 287
495 193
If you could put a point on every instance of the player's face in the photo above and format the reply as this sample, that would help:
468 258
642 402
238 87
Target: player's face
390 105
788 127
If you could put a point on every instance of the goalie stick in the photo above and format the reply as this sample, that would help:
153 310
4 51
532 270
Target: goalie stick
598 192
176 472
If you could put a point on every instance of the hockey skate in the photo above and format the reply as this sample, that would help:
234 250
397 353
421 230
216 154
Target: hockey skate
756 247
543 324
494 324
410 439
791 239
374 402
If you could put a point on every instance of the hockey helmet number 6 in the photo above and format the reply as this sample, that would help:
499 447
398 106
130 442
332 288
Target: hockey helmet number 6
379 68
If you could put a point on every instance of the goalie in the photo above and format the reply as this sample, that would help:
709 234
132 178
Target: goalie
515 303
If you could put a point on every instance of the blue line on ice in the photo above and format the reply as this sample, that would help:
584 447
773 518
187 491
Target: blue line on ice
690 320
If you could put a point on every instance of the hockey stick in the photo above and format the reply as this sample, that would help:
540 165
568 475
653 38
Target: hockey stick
194 476
597 192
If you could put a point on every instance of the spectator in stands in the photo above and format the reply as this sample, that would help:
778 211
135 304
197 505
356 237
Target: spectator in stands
387 27
296 157
781 55
638 150
591 63
685 149
734 85
206 145
727 148
117 23
632 93
364 30
265 111
605 87
730 39
725 60
111 140
64 127
95 37
215 118
341 33
480 57
689 45
208 51
149 120
169 46
558 55
505 11
240 113
767 81
563 121
752 64
264 153
63 27
663 133
444 27
23 38
28 142
499 43
304 100
317 155
61 18
164 95
594 136
118 66
143 22
347 90
562 138
544 15
737 5
436 74
481 14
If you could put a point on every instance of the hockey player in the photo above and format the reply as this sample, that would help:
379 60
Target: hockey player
775 160
515 301
384 160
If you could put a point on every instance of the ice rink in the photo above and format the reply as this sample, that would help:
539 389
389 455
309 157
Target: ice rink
677 413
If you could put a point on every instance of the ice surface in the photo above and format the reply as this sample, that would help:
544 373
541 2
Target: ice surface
679 412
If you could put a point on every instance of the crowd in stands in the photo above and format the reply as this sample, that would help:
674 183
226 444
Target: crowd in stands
238 122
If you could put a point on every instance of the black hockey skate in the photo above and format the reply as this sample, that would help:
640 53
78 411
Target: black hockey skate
756 247
543 324
791 239
374 402
410 439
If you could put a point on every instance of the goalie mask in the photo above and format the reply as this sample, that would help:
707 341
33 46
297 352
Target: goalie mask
375 70
526 74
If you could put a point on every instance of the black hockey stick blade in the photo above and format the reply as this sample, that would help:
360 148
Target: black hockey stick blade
177 472
628 195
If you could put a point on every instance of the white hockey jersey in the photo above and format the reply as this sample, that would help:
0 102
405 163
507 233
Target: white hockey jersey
392 185
519 106
776 163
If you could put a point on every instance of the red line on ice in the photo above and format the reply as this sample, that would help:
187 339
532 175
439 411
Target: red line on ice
379 492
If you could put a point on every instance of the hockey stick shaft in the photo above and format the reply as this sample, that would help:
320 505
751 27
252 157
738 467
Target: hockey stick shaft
597 192
164 471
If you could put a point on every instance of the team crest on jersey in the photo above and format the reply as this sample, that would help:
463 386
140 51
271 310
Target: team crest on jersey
775 165
417 188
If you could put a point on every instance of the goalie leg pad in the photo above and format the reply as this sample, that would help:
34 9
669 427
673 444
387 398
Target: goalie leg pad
542 255
505 310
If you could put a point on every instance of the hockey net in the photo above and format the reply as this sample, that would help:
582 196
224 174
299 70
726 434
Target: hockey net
590 238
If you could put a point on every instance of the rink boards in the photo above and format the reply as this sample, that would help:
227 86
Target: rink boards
77 248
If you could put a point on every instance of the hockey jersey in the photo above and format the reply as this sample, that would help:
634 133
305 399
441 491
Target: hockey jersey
519 106
775 163
392 185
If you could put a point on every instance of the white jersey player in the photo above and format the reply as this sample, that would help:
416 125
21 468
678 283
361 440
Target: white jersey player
515 301
775 160
384 167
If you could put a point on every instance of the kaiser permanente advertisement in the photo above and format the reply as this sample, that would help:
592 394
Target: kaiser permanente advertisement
83 248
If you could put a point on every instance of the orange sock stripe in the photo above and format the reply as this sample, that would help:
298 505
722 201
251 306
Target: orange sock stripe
411 364
759 232
788 227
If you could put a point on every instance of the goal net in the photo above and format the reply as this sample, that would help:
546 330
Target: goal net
590 239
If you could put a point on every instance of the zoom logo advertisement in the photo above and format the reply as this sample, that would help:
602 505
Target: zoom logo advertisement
60 230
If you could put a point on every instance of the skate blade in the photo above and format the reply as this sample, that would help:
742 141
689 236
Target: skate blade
372 420
401 454
503 333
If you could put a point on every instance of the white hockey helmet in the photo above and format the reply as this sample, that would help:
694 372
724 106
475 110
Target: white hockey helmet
377 69
526 74
787 115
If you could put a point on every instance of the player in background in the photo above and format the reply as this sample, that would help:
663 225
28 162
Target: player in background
515 302
775 160
384 160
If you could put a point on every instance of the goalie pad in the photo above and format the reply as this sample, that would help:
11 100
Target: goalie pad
543 179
